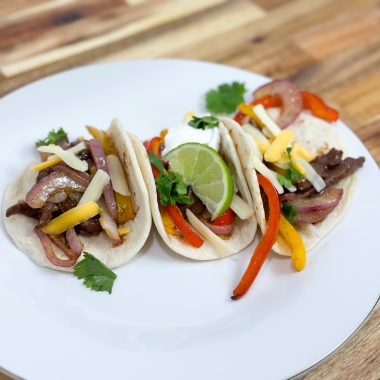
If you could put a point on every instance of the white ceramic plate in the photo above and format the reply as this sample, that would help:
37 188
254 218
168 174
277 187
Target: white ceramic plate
170 318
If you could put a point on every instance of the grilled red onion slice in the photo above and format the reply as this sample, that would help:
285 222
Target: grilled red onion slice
100 162
74 242
311 217
49 185
220 230
82 178
47 246
315 209
291 97
58 197
109 225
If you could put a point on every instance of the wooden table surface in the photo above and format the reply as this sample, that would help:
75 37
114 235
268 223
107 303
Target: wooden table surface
331 47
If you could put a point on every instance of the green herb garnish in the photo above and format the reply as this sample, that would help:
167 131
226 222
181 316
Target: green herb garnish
96 275
225 98
52 137
289 212
172 189
205 122
293 175
157 162
284 181
288 153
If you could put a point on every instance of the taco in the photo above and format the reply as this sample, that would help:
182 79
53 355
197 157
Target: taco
87 195
201 204
306 161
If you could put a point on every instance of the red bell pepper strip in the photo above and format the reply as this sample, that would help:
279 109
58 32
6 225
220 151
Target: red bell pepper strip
188 233
266 101
225 219
311 102
154 146
318 107
266 243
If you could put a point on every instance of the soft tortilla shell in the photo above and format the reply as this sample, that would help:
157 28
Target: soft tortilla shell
244 230
20 227
318 137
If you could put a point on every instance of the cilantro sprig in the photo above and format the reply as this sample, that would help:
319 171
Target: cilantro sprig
52 137
95 274
156 161
225 98
289 212
205 122
172 189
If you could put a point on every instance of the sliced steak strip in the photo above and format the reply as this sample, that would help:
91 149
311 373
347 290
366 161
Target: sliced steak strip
332 169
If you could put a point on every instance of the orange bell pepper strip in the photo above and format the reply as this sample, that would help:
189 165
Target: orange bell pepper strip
266 243
318 107
188 233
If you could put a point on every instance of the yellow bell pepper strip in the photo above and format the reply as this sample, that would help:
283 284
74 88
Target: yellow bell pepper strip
46 164
266 243
103 138
295 243
169 225
124 208
71 218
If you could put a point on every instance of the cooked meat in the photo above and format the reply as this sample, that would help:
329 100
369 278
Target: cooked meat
90 227
46 213
24 209
332 169
44 173
67 204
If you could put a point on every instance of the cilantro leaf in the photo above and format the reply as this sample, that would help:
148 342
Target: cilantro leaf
225 98
52 137
156 161
284 181
96 275
172 189
288 152
206 122
293 175
289 211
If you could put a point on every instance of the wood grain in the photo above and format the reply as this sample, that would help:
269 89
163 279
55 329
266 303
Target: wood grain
331 47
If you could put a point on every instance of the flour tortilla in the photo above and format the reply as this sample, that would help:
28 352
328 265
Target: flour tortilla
318 137
20 227
244 230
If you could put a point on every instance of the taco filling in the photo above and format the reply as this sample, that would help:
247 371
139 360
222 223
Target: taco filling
297 169
200 189
81 190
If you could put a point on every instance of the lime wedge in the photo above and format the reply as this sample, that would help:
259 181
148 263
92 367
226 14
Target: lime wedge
205 171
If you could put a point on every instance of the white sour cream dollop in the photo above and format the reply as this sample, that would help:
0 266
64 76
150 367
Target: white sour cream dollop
185 133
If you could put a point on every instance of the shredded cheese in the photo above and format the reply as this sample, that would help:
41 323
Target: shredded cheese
259 137
54 160
123 231
71 218
312 176
271 175
261 117
66 156
278 146
119 182
241 208
219 244
95 188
